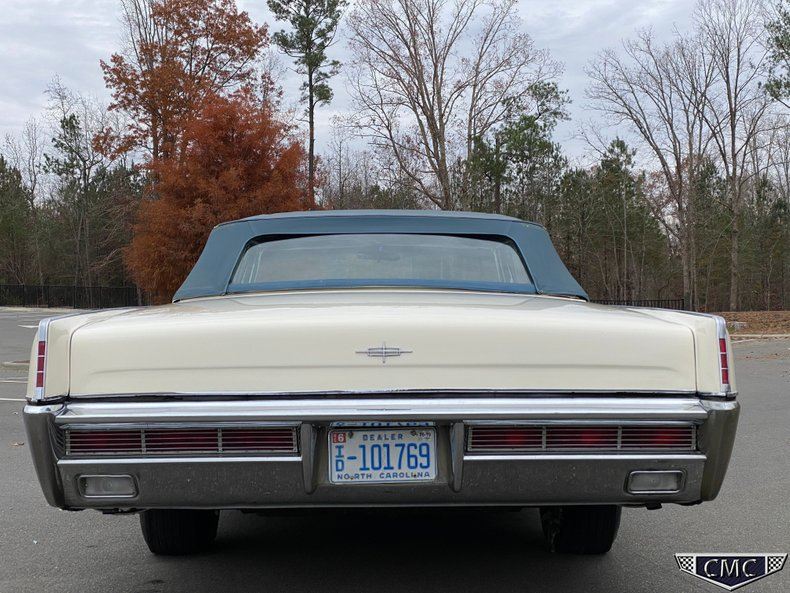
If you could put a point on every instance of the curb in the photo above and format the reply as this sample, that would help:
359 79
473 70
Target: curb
16 364
760 336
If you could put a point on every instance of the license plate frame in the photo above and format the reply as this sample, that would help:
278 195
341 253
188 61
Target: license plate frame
389 448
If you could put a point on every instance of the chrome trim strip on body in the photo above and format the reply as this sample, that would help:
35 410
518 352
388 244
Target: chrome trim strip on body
332 410
633 422
152 424
585 456
718 395
44 409
437 394
181 460
601 456
386 393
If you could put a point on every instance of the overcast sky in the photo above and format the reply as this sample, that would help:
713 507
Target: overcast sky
41 39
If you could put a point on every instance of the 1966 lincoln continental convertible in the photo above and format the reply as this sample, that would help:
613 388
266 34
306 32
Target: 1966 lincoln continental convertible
375 359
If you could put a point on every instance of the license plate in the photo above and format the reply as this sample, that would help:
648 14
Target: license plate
382 455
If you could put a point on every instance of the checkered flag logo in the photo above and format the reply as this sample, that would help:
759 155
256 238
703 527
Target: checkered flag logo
730 571
685 563
775 562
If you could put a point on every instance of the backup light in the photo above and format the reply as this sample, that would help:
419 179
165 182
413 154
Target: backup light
107 486
655 482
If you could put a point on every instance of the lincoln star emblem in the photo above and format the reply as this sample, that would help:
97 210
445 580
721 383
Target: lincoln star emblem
383 352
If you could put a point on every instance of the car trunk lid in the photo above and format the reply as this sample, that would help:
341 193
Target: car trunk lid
366 341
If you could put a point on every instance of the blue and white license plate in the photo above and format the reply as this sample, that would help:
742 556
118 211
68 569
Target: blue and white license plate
382 455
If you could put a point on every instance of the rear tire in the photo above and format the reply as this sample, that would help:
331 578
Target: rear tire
580 529
175 532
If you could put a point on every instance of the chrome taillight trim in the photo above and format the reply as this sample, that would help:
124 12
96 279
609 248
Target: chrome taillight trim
554 442
41 336
721 334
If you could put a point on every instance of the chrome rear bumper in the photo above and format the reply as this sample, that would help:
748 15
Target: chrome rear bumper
463 478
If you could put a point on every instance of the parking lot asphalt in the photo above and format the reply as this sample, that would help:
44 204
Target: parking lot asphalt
43 549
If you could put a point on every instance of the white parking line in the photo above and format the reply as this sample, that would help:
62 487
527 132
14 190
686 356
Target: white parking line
9 399
13 380
29 326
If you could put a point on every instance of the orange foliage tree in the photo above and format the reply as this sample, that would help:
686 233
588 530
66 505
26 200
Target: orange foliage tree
238 159
177 53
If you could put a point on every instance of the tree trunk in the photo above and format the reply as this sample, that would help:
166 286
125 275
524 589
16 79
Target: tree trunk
311 141
685 267
624 290
734 241
497 178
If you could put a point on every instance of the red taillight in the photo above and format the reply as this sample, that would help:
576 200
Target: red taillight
558 437
724 362
657 437
251 439
104 441
181 441
581 437
194 440
40 360
505 438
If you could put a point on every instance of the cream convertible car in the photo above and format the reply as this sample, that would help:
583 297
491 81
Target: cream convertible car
371 359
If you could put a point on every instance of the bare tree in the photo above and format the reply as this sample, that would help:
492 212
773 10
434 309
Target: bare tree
502 68
27 156
776 154
731 33
97 218
416 96
659 92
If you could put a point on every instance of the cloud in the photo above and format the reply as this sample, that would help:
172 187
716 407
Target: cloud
40 39
574 31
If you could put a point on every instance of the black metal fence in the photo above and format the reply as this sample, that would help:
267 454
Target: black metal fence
77 297
105 297
677 304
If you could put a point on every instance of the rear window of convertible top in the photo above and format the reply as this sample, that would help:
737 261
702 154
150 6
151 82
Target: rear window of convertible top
381 259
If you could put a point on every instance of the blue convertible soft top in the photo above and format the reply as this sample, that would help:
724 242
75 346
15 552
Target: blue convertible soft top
228 241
